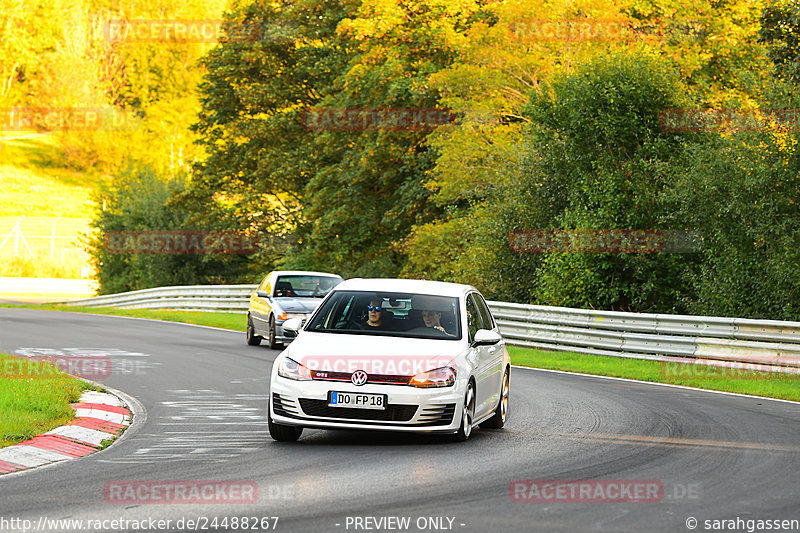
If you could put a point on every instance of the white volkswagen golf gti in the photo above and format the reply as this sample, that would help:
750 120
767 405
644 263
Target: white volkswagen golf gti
392 355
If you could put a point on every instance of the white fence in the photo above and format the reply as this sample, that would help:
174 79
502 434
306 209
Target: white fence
755 344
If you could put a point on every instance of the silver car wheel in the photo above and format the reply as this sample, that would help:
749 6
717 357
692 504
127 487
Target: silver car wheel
504 397
469 410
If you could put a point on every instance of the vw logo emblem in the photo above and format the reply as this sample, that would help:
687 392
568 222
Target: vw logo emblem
359 377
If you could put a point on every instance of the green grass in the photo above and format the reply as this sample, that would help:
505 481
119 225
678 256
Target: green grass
35 397
36 182
772 385
769 384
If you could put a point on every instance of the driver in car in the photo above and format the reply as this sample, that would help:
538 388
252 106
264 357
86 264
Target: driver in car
374 314
374 319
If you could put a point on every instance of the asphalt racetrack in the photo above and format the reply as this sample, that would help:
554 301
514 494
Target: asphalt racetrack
200 399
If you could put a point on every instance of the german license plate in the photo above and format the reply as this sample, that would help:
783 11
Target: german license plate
358 400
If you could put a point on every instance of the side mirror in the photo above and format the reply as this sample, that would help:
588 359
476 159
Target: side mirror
292 327
262 294
485 337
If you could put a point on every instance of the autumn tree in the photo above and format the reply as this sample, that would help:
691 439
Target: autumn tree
368 191
780 30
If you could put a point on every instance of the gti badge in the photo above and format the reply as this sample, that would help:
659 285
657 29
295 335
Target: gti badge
359 377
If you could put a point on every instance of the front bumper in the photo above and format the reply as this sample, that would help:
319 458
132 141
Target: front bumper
280 336
305 403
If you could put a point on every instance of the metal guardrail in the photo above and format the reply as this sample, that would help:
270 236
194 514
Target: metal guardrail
755 344
222 298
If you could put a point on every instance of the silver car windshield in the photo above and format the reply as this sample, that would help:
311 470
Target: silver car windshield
304 286
389 314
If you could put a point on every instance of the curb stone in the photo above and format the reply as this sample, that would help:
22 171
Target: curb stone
99 416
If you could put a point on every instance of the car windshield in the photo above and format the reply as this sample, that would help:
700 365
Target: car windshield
300 286
389 314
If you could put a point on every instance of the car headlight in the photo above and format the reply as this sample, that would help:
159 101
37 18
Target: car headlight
283 315
440 377
291 369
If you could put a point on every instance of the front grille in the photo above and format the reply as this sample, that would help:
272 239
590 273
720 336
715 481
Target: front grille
438 415
394 413
379 379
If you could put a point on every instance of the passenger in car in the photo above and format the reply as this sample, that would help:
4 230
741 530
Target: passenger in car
433 320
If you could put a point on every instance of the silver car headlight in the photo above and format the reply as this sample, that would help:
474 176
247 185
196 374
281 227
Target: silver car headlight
291 369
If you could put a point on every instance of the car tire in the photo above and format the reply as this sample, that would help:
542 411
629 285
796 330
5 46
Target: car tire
252 338
467 415
273 344
280 432
501 413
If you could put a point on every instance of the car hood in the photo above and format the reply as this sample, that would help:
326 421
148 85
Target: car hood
373 354
298 305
